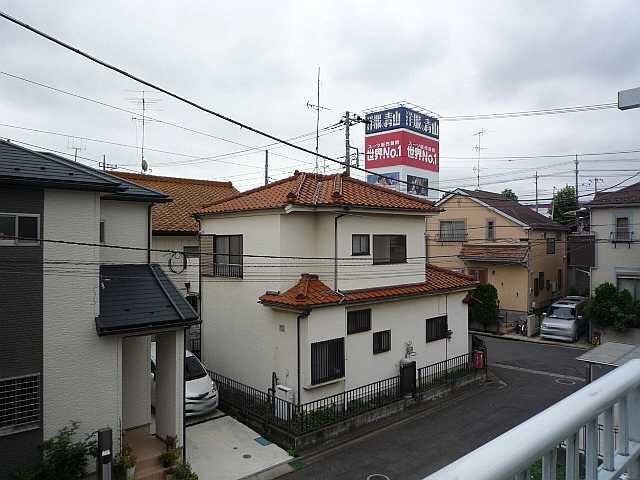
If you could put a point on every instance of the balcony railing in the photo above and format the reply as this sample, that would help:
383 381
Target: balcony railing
621 236
227 270
452 237
612 401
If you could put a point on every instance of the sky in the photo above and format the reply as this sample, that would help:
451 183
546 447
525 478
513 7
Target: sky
257 62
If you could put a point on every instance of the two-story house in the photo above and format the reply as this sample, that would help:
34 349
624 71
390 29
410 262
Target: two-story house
174 229
504 243
614 223
321 281
79 302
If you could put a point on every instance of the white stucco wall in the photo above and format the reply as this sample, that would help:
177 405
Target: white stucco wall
407 321
169 384
125 225
614 258
136 384
81 379
177 243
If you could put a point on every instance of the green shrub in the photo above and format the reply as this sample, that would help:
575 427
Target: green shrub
485 312
183 471
610 308
170 457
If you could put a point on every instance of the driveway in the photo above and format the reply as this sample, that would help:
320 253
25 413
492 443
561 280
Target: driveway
225 449
416 448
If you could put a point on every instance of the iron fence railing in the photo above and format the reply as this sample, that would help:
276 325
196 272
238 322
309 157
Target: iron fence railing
311 416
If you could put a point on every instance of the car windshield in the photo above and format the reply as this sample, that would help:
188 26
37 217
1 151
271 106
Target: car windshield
193 369
562 312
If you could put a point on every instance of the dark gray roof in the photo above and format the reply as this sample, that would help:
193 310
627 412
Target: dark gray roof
515 210
624 196
139 298
22 166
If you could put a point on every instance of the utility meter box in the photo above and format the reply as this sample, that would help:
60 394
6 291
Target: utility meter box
283 402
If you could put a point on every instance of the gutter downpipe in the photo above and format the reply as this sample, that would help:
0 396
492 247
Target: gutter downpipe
300 317
335 250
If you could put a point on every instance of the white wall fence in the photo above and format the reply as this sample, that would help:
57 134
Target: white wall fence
610 451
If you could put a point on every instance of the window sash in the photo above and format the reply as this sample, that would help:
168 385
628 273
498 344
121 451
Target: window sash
491 230
622 228
327 360
389 249
7 228
227 256
551 246
382 341
632 285
358 321
360 244
19 229
436 328
452 231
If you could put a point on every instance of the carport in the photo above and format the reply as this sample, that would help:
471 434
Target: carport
610 354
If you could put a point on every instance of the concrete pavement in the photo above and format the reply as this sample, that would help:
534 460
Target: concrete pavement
416 448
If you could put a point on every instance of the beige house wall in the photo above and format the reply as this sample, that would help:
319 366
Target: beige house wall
550 264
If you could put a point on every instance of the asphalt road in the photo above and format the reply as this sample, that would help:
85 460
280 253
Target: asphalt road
532 377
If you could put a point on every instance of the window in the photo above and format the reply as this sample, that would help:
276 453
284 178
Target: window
630 284
101 233
548 285
327 360
541 280
551 246
389 249
227 257
382 341
360 244
622 233
358 321
479 274
191 251
452 231
536 287
491 229
19 403
436 328
19 229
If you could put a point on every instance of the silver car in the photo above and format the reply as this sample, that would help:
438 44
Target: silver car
564 320
201 393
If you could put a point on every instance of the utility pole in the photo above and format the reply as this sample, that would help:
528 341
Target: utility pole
537 191
553 202
266 167
349 119
479 148
576 162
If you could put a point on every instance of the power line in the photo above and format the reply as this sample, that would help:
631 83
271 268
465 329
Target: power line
530 113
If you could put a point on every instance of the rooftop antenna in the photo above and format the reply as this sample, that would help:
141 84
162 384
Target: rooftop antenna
317 107
76 144
478 148
144 103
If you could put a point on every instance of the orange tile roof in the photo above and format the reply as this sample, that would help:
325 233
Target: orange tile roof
495 253
311 292
188 195
316 190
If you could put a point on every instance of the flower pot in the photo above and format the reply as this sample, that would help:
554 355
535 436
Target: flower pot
131 471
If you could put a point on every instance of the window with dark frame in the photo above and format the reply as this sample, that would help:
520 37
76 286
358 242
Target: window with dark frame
381 341
360 244
536 287
622 233
327 360
101 231
540 280
389 249
452 231
227 258
491 229
19 403
358 321
19 229
437 328
551 246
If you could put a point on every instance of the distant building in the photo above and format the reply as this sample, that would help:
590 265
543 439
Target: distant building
541 208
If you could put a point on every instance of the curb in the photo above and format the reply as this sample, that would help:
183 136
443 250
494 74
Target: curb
520 338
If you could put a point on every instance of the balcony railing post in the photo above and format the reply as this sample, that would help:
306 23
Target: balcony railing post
607 456
549 465
633 414
591 447
572 462
623 422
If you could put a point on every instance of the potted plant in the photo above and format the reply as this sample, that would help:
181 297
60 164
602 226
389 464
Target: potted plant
182 471
128 460
170 457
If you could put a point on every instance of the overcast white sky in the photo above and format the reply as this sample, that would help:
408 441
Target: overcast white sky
257 61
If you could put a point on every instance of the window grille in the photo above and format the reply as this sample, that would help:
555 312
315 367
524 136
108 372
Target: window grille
19 403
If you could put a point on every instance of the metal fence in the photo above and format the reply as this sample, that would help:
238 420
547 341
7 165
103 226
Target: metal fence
311 416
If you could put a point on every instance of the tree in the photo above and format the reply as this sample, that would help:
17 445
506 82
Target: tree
609 307
564 201
509 194
485 310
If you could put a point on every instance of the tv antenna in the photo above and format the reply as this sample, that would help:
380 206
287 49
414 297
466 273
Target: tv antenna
478 148
317 107
76 144
144 104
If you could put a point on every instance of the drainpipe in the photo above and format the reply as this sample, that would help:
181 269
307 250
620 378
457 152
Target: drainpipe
300 317
149 233
335 250
184 395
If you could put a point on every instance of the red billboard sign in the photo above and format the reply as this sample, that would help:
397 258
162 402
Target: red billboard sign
400 147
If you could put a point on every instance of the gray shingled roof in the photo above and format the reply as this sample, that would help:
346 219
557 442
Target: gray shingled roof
138 298
514 209
22 166
624 196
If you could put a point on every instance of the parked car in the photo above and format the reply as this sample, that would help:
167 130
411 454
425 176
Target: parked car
564 319
201 393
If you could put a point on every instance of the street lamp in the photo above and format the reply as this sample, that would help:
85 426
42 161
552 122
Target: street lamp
628 99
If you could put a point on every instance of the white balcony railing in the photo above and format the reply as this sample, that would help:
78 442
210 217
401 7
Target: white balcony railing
613 396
